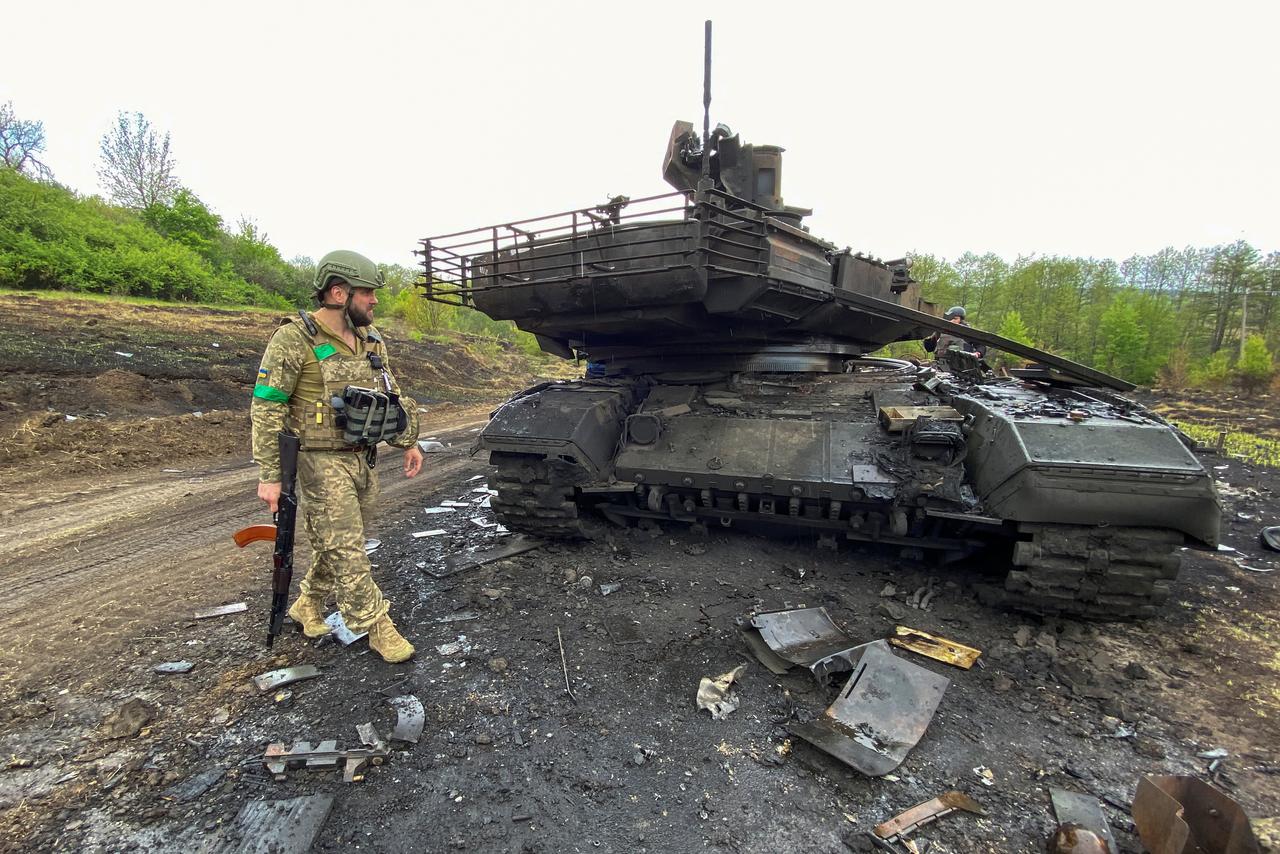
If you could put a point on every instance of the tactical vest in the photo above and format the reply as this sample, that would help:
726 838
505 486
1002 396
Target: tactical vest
323 426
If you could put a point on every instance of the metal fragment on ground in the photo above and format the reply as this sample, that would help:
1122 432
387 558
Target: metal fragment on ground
1185 815
174 667
325 755
1076 810
1270 537
417 535
429 447
800 636
880 713
221 610
369 736
372 545
434 510
185 791
713 693
459 562
909 821
285 676
273 827
460 617
410 718
455 504
341 633
935 647
610 587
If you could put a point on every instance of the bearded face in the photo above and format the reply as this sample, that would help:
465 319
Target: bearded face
360 307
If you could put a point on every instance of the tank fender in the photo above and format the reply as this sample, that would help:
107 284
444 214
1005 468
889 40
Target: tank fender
578 423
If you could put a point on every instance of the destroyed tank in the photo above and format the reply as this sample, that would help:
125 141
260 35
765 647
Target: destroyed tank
730 384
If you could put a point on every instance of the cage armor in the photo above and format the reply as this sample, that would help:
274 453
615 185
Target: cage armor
358 407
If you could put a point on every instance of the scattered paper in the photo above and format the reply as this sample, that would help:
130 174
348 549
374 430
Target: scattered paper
454 504
483 522
417 535
438 510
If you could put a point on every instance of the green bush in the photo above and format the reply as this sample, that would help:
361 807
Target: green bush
1213 372
1255 368
52 240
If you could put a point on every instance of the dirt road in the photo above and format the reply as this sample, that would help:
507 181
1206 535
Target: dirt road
90 564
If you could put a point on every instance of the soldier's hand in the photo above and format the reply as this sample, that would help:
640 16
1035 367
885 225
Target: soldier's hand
412 461
270 493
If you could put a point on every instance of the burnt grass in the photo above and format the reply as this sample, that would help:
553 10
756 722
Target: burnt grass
509 762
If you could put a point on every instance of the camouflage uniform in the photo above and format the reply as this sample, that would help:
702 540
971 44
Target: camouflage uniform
337 488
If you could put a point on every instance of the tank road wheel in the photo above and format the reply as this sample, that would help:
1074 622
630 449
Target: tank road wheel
1099 573
536 495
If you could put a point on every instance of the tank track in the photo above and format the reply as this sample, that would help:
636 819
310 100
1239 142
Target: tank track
535 495
1099 573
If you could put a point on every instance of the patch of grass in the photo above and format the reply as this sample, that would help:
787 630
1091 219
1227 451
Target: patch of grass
1257 450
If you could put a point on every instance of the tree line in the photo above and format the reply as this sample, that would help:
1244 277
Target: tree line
1190 316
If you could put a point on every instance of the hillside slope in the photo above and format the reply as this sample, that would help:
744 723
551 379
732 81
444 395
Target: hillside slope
91 385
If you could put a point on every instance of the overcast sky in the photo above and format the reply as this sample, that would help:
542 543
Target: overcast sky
1096 129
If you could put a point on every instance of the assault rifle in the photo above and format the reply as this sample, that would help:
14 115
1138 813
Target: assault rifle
286 517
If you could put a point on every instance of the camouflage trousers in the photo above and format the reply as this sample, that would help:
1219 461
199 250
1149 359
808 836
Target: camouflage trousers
338 492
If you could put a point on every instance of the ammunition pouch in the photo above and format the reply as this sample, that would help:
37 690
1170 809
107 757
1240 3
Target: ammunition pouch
367 416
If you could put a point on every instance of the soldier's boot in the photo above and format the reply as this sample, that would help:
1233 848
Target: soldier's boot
308 612
388 643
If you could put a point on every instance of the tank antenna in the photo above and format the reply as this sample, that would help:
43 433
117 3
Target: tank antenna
706 105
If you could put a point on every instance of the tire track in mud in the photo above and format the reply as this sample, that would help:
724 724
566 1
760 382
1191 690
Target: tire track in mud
87 566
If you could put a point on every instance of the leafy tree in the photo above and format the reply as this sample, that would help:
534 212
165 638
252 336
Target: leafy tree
136 166
20 142
1123 341
1013 328
186 220
1255 368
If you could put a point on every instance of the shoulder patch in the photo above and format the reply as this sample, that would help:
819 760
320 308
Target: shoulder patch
371 334
263 373
324 351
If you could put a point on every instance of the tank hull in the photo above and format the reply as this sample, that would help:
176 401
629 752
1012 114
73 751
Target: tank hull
1088 499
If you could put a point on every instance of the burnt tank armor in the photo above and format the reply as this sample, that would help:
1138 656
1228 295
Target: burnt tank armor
732 387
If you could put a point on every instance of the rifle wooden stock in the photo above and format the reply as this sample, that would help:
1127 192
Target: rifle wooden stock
254 534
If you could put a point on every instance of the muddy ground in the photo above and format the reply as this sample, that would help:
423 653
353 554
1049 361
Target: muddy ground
107 566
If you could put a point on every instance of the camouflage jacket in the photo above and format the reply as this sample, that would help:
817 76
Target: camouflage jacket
293 390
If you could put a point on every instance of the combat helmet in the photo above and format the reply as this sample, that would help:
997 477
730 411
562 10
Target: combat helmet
955 311
351 267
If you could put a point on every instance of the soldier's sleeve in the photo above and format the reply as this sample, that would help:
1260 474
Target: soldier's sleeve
277 378
409 437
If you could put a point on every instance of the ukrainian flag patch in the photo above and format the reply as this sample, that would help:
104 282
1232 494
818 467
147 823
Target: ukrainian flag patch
263 373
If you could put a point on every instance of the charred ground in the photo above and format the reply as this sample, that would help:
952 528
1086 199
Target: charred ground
110 554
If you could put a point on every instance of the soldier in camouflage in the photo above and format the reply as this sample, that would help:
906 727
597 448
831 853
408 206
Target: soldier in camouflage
304 385
939 343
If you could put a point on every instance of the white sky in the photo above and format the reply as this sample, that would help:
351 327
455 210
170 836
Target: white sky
1083 128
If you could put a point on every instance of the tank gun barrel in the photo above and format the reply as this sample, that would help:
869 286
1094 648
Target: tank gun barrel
893 311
